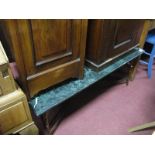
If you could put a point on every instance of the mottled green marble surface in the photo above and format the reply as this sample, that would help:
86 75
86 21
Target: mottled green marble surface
56 95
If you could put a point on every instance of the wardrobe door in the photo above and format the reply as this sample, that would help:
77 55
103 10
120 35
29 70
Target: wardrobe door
125 35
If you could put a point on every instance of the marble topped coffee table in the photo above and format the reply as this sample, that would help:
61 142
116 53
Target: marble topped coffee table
58 94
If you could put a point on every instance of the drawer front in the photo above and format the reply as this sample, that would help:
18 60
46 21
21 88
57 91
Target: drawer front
12 117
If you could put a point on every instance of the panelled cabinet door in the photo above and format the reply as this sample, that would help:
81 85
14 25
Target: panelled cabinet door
49 51
124 35
51 40
48 43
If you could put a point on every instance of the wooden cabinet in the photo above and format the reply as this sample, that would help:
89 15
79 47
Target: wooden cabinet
110 38
46 51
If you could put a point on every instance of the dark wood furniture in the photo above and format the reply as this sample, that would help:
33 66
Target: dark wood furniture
46 51
110 38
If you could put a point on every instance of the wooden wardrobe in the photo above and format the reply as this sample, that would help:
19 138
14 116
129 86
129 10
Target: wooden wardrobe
108 39
46 51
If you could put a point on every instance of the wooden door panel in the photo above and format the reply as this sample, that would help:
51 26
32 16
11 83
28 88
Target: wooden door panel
51 39
124 35
48 43
124 32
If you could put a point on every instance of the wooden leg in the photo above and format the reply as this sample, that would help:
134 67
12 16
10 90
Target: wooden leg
133 69
127 82
51 124
56 124
46 122
141 127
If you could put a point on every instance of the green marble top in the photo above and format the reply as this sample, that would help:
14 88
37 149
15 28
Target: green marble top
56 95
